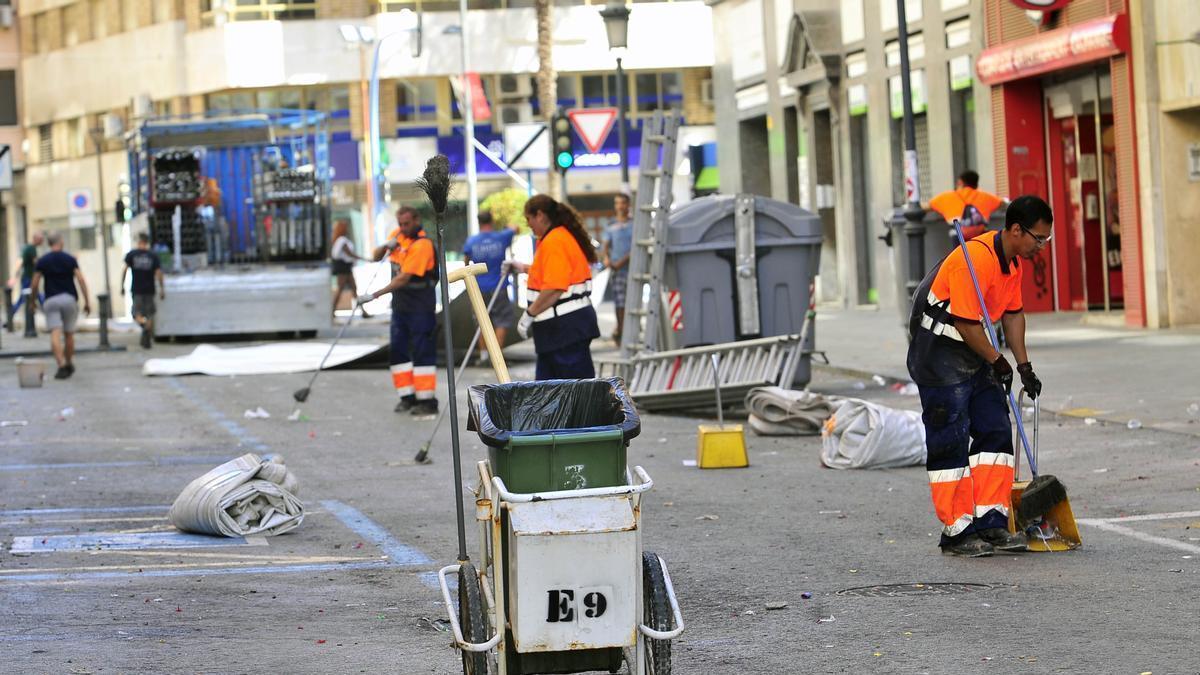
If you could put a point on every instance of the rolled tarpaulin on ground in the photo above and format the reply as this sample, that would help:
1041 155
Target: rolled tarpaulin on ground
775 411
244 496
865 435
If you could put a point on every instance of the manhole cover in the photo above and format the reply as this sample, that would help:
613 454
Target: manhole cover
901 590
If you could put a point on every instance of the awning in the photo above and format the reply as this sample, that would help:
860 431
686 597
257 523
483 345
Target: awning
1054 50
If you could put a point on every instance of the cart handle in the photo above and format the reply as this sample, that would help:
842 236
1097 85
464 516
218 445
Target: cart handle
521 497
459 641
674 632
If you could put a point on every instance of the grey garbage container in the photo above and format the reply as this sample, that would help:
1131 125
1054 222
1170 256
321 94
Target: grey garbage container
939 240
744 268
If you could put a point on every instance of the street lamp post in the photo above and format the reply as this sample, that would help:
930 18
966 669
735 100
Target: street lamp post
616 27
468 123
914 215
361 38
104 301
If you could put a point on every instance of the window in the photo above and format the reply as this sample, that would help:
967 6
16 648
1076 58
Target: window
45 143
257 10
887 13
658 91
952 4
853 28
416 101
958 34
856 65
8 98
962 114
568 90
916 50
100 20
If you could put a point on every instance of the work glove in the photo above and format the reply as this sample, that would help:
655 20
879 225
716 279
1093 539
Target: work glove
1003 373
391 244
525 325
1033 386
367 297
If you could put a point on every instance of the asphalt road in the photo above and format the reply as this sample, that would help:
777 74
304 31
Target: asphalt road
351 591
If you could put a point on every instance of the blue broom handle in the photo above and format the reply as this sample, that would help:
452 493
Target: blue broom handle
991 332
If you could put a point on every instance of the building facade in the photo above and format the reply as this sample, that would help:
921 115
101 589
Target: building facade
831 124
186 57
12 230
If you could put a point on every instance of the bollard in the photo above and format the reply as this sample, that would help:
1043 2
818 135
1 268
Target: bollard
105 311
30 314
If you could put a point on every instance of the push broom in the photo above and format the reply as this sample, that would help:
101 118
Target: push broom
1044 492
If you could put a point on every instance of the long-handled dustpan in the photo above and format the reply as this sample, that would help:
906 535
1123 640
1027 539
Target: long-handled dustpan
1040 506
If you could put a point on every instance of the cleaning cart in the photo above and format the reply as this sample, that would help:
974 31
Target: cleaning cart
561 583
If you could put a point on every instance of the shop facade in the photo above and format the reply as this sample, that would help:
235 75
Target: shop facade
1063 110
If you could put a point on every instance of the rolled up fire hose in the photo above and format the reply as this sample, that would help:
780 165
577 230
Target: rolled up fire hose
244 496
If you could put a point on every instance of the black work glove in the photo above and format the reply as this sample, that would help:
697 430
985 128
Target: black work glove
1033 386
1003 373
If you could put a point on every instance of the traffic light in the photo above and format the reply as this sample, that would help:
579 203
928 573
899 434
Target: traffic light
563 143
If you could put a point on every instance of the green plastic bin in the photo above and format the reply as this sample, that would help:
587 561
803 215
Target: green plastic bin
555 434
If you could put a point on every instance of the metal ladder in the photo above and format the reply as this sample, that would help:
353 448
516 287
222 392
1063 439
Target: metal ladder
648 257
683 378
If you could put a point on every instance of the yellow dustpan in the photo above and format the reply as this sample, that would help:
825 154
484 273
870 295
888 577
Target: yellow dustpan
1054 529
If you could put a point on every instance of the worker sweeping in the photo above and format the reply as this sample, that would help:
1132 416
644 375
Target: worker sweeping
413 351
964 381
560 315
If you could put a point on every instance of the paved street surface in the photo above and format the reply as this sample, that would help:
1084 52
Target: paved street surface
351 590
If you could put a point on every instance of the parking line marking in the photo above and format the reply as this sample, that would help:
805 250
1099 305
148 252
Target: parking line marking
158 461
1153 516
298 560
20 513
68 577
128 541
1130 532
234 429
397 553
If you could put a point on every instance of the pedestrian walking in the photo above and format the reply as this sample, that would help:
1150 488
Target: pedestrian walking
413 351
61 307
618 242
967 203
490 247
23 272
147 273
341 258
560 315
964 381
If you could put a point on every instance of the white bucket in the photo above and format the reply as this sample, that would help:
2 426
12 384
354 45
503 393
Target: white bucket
31 372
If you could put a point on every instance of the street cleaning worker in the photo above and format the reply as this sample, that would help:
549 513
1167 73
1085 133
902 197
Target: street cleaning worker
490 247
560 314
413 350
964 381
966 202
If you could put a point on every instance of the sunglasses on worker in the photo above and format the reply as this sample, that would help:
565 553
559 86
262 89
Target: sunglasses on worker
1037 238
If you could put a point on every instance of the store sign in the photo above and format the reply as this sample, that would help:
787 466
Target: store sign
1041 5
80 209
1054 50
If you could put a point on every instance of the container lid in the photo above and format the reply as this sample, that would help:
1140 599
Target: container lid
709 220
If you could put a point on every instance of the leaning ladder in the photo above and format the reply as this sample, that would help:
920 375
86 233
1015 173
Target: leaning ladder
648 257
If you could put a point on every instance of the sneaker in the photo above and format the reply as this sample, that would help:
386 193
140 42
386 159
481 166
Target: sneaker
70 368
1003 540
405 404
426 408
145 339
971 546
62 373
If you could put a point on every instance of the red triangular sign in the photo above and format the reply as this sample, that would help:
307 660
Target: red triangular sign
593 125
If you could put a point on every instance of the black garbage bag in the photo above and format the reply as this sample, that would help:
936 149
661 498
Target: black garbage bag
500 411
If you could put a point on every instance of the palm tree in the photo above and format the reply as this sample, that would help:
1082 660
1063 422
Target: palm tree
547 81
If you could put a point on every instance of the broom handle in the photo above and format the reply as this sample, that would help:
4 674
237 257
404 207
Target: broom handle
991 333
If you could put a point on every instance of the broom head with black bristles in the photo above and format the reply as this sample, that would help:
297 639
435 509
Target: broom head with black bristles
435 182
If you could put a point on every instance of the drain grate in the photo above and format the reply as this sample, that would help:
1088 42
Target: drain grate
904 590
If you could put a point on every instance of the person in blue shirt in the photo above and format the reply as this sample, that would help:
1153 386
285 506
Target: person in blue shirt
490 247
618 242
61 272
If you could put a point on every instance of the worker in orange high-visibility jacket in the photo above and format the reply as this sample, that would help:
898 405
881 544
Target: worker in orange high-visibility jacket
413 349
967 203
964 381
560 315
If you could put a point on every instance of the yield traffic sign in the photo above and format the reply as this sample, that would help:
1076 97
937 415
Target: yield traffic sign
593 125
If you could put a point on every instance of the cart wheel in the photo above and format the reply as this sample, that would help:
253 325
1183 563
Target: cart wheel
656 613
472 618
